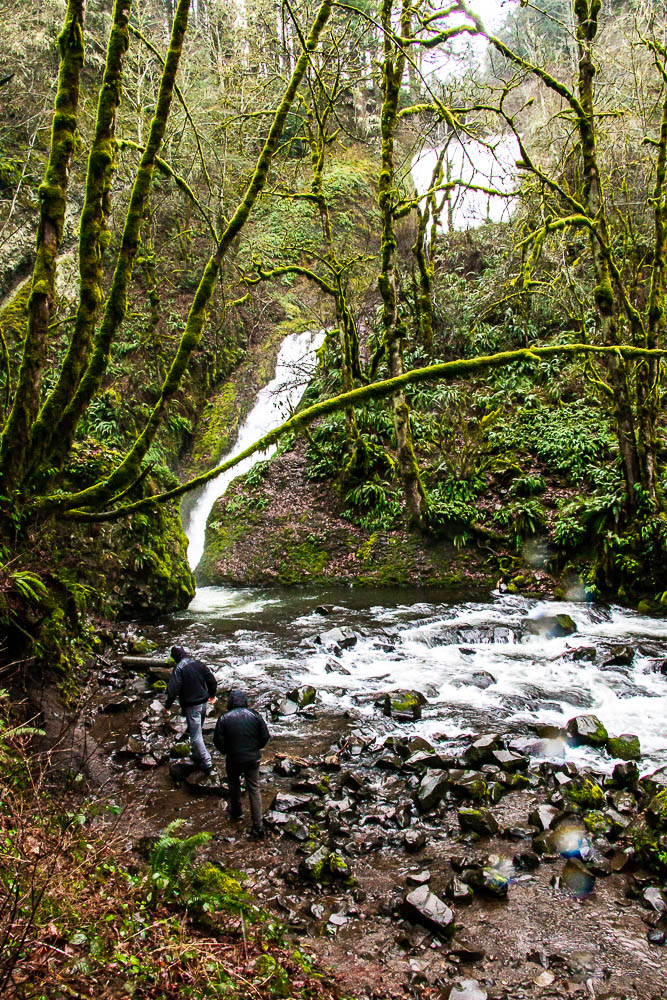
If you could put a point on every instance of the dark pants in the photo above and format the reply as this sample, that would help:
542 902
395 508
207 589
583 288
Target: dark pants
251 774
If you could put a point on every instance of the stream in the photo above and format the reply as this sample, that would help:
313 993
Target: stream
342 778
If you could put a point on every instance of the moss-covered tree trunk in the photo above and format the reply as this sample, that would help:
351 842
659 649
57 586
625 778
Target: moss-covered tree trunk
392 326
53 200
93 238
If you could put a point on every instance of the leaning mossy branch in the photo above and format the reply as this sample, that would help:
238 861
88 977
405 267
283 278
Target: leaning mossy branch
53 200
116 304
130 467
463 368
94 235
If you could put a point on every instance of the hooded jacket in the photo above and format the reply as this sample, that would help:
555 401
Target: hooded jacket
191 682
240 733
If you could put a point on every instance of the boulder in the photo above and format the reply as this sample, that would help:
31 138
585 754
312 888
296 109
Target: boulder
324 866
179 769
544 817
286 707
414 841
302 696
116 705
458 891
482 679
403 705
509 760
487 881
421 906
341 638
205 784
418 878
624 776
626 747
619 656
432 789
587 730
481 750
464 989
551 626
283 802
480 821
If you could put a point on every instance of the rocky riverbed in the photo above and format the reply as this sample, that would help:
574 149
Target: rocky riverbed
516 858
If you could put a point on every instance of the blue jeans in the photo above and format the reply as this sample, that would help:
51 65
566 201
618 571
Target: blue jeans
194 716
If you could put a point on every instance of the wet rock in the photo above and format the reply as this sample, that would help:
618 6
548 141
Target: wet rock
418 878
116 705
527 860
487 881
480 821
421 906
510 760
657 936
551 626
294 828
655 782
324 609
482 679
619 656
624 776
481 750
432 789
587 730
458 891
575 878
465 952
324 866
468 784
180 769
341 638
655 899
626 747
403 706
333 666
180 751
414 841
544 816
585 653
284 802
286 707
464 989
147 763
205 784
302 696
658 666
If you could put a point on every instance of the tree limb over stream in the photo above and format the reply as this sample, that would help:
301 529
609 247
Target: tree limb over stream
66 505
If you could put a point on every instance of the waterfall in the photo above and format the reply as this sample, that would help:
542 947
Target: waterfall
295 368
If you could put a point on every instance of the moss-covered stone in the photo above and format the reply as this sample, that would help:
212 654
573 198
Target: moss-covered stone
625 747
585 793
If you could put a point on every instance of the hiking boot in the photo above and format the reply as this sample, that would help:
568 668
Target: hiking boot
257 833
234 815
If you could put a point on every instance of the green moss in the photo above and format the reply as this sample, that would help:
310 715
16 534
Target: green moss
625 747
597 823
585 793
218 427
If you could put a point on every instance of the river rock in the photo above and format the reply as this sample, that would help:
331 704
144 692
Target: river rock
509 760
432 789
480 821
544 816
468 784
575 878
624 776
655 782
418 878
458 891
619 656
403 706
286 707
655 899
334 666
414 841
421 906
585 653
116 705
336 638
179 769
294 828
481 750
324 866
180 751
487 881
283 802
626 747
587 730
302 696
657 936
551 626
464 989
205 784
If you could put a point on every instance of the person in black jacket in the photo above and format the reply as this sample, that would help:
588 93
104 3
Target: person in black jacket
240 735
193 684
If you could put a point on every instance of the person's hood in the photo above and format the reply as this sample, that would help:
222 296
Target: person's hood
178 653
237 699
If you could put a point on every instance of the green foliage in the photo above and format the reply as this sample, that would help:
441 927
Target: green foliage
450 509
569 440
522 518
171 861
527 486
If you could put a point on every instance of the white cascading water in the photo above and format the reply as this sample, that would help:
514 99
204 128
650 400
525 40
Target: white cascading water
295 368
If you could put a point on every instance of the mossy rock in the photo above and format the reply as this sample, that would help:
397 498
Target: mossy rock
657 811
625 747
598 824
585 793
403 703
587 730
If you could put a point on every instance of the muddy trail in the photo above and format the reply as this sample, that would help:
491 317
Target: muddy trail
435 827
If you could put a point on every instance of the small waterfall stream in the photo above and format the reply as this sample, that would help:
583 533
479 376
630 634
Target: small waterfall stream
295 368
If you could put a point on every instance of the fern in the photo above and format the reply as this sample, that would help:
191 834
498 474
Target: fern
171 859
30 586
